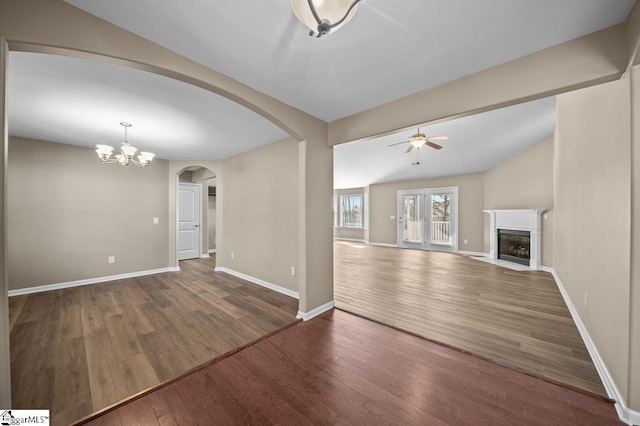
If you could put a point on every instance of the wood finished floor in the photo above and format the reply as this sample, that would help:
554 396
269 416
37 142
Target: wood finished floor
514 318
344 370
78 350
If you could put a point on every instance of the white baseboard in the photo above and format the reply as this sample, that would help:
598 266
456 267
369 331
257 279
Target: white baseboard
258 281
355 240
204 256
306 316
626 414
473 253
212 251
372 243
58 286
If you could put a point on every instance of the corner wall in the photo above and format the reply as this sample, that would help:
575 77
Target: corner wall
67 213
592 193
260 211
524 182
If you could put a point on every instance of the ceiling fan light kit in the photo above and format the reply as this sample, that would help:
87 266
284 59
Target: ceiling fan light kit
324 16
127 152
419 140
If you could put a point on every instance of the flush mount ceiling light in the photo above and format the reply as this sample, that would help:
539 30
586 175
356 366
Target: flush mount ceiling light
126 152
324 16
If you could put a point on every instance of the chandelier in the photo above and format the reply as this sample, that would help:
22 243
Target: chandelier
126 152
335 14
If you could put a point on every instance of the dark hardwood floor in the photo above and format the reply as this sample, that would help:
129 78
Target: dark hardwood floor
514 318
78 350
342 369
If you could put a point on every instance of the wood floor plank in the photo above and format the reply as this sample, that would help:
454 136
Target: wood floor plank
77 350
514 318
341 369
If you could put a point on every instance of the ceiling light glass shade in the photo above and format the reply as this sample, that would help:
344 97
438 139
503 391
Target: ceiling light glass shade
147 156
331 10
128 150
104 149
418 140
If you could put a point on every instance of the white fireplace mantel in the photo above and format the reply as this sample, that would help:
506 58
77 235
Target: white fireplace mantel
519 220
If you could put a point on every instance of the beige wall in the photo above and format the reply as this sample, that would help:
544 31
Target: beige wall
383 204
524 182
67 213
259 209
634 334
592 178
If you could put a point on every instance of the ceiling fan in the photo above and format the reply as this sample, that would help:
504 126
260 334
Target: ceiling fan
419 140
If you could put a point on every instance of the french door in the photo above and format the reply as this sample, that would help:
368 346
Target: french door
428 219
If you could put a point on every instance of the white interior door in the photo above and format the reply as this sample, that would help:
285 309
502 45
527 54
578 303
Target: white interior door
428 219
189 229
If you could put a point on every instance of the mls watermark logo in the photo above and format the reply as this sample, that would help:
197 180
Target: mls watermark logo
24 417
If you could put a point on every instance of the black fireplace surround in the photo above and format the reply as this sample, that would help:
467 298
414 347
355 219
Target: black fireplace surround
514 246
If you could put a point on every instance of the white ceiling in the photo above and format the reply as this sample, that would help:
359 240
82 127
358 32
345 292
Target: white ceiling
389 50
477 143
82 102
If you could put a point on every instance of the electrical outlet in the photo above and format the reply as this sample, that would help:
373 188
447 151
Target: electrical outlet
156 220
392 218
293 271
112 259
465 241
232 256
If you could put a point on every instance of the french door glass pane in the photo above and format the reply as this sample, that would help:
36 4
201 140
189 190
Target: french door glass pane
412 232
441 218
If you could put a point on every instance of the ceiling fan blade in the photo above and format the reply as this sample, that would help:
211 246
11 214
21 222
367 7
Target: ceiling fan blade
438 138
433 145
409 148
397 143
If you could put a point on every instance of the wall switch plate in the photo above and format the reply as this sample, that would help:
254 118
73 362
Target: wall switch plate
112 259
465 241
545 216
293 271
156 221
586 300
232 256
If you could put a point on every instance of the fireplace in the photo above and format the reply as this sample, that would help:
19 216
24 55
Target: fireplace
514 246
513 227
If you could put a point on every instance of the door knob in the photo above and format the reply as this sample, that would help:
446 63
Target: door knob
196 226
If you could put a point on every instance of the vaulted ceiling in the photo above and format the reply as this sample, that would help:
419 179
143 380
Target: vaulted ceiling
389 50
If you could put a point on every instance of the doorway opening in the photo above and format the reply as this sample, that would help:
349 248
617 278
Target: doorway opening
196 215
428 219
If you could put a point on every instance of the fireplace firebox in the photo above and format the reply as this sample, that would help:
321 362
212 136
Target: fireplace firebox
514 246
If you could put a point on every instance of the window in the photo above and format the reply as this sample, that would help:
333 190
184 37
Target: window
351 211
